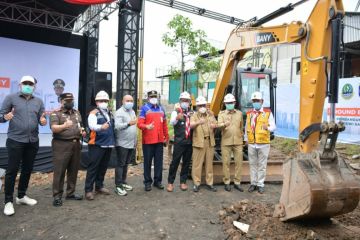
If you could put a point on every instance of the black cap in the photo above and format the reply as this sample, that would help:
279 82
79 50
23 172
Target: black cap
152 93
66 96
59 83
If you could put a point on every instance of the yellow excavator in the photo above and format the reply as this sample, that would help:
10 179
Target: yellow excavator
318 183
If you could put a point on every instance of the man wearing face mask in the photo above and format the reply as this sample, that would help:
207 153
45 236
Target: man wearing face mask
152 122
66 125
231 123
203 124
126 139
259 123
180 119
102 140
24 112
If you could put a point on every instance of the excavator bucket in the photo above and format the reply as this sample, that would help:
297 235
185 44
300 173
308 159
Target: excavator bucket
315 187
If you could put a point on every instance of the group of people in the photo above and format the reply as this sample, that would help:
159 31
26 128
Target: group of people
194 141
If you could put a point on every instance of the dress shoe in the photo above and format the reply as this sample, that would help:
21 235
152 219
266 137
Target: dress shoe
89 196
238 187
57 202
170 187
211 188
102 190
159 186
261 190
227 187
147 188
74 197
183 186
196 188
252 188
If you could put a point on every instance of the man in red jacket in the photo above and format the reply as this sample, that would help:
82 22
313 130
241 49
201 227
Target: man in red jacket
152 122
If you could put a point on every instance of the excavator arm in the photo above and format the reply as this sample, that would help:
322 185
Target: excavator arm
317 183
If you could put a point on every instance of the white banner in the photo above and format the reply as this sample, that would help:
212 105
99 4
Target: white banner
46 63
347 110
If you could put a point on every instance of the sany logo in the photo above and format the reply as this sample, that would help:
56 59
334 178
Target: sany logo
4 82
262 38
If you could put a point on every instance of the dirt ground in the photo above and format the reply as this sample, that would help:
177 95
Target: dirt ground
162 215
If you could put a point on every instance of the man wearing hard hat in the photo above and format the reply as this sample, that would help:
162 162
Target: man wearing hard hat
259 123
180 120
101 142
230 121
203 124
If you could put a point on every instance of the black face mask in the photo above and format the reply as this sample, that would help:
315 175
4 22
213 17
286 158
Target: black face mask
69 105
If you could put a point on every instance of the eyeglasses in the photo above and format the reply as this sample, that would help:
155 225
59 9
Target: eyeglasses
28 83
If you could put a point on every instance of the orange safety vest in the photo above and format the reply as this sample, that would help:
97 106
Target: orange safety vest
260 135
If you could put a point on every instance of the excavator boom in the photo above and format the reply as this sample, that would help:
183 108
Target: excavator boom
317 183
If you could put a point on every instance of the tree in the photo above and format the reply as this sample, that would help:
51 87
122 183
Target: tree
191 44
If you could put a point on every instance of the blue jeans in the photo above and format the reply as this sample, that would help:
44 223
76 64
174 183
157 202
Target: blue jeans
153 151
25 154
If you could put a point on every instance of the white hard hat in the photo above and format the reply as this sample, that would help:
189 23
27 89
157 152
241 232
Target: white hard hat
185 95
200 100
27 79
102 95
229 98
256 95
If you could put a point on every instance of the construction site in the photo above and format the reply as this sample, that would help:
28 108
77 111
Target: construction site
301 56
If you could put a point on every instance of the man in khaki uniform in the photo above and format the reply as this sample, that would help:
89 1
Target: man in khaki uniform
203 124
231 123
66 126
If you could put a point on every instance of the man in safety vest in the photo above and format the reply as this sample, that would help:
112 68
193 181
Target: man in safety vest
259 123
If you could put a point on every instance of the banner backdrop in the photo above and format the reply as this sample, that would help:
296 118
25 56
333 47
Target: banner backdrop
347 110
47 63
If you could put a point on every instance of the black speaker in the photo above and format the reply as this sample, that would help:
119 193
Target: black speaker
103 81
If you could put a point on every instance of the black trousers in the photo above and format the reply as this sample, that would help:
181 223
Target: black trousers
124 158
98 162
183 152
19 153
153 151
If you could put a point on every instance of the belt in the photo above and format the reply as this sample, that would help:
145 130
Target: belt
206 137
68 140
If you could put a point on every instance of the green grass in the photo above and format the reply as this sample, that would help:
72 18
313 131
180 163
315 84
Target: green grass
285 145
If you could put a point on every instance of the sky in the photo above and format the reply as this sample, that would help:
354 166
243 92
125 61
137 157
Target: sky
158 56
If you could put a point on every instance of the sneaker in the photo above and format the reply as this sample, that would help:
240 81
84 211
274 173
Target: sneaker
147 188
159 186
127 187
26 201
120 191
9 209
261 190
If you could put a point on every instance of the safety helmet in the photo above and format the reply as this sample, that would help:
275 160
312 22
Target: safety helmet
256 95
185 95
102 95
200 100
229 98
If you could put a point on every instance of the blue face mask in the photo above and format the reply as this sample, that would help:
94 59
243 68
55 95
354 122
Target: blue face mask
257 105
230 106
128 105
26 89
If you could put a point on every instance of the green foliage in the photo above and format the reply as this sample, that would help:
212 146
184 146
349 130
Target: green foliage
190 43
174 74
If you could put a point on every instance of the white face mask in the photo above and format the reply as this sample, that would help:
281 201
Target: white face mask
153 101
103 105
202 110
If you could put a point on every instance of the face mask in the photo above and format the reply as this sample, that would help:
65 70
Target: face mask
184 105
230 106
153 101
202 110
103 105
128 105
26 89
257 105
68 105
